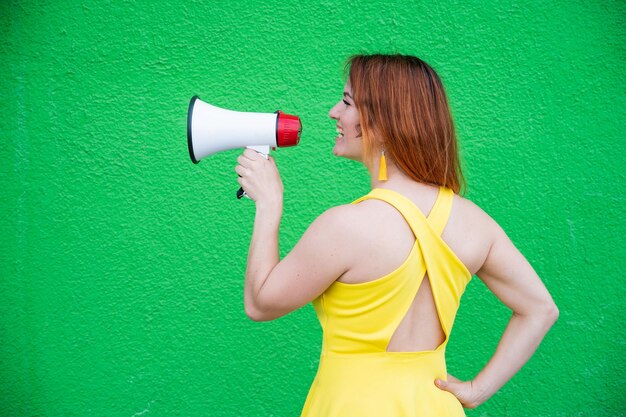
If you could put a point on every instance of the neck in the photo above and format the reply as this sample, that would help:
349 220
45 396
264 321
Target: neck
395 177
397 180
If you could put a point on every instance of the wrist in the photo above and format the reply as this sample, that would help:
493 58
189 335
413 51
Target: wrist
270 206
272 210
481 391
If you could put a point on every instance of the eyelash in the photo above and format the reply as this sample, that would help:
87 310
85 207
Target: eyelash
347 104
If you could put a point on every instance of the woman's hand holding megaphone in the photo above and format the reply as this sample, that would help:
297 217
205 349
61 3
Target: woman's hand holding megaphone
260 179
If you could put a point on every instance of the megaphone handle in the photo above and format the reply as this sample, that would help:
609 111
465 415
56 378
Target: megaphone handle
263 150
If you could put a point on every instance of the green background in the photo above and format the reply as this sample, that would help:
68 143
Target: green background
122 263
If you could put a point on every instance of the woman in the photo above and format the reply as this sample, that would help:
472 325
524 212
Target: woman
386 273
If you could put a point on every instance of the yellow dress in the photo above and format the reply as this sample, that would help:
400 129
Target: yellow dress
357 377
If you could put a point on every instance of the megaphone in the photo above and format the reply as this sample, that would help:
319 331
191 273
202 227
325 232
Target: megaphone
211 129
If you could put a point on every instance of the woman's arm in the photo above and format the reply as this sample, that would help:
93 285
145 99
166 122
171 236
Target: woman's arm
263 255
512 279
260 179
273 287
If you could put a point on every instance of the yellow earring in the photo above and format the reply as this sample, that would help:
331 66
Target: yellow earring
382 171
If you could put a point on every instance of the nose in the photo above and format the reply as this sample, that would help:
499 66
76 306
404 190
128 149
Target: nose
334 112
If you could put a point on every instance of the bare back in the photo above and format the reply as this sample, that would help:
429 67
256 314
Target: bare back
384 241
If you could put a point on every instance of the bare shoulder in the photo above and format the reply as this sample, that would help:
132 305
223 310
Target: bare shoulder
472 213
336 216
356 226
343 220
470 232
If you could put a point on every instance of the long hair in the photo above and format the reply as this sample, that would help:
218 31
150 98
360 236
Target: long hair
403 108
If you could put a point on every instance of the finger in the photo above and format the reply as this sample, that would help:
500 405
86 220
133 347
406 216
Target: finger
454 388
244 161
241 170
251 154
444 385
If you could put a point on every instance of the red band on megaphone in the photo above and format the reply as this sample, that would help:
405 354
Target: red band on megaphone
288 129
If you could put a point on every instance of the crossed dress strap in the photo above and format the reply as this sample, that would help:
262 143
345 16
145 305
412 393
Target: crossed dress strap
448 275
439 213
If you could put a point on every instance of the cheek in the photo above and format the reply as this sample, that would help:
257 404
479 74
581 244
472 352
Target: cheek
354 123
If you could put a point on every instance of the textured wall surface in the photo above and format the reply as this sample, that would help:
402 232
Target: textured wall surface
122 263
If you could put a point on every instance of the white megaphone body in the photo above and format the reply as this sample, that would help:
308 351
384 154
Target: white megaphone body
211 129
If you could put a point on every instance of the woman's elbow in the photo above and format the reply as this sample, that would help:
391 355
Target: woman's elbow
548 313
255 314
553 313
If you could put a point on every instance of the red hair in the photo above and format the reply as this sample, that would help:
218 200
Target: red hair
403 108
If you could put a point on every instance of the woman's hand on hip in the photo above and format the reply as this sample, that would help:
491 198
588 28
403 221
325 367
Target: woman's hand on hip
464 391
259 178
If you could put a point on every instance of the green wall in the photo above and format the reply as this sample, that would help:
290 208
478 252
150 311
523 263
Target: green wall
122 263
